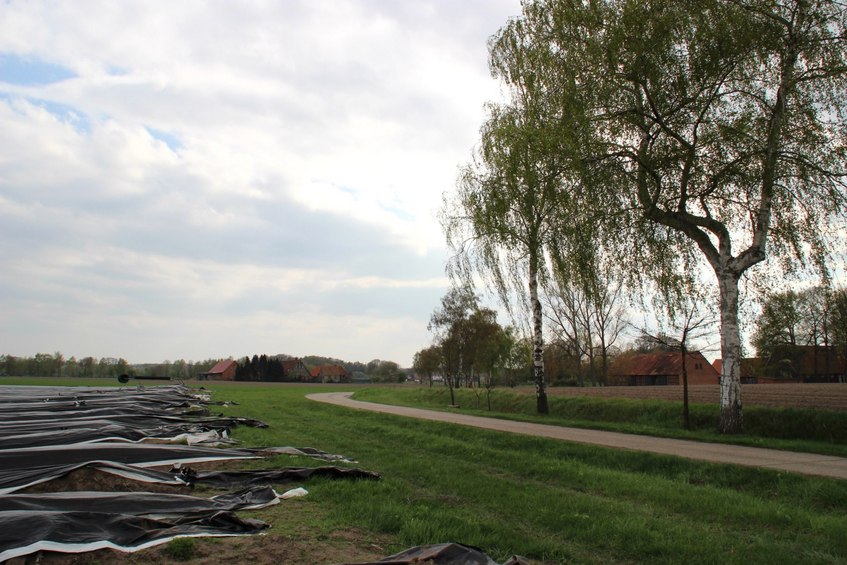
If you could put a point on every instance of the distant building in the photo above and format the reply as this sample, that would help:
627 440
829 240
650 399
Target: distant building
222 371
794 364
295 371
331 374
665 368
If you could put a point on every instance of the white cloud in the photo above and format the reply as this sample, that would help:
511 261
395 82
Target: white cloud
223 179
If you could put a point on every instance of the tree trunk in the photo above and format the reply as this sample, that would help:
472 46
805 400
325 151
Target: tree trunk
604 357
731 415
537 338
686 420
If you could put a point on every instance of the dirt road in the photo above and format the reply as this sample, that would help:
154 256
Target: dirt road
804 463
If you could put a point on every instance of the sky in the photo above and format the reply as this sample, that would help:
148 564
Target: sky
193 180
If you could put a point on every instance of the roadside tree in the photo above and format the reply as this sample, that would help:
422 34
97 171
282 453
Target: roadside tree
426 362
467 337
687 324
711 131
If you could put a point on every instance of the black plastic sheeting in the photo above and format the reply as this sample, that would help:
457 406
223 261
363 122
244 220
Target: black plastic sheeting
142 455
442 554
229 479
29 415
23 533
137 503
47 433
15 480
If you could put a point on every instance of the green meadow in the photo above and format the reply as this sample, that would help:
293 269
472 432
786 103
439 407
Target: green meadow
550 501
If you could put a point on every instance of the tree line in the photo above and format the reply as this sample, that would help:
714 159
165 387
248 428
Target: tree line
270 368
258 367
56 365
814 318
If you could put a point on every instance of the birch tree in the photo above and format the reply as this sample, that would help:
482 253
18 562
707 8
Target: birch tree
499 220
709 131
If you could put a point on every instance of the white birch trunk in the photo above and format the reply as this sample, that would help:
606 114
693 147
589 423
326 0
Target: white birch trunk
537 338
730 403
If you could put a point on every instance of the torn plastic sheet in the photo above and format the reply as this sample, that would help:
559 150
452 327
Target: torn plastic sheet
442 554
23 533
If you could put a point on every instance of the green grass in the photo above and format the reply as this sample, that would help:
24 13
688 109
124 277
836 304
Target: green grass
181 549
794 429
552 501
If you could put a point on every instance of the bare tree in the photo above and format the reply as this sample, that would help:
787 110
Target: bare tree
687 324
590 321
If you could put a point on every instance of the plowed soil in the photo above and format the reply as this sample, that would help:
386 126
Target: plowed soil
832 396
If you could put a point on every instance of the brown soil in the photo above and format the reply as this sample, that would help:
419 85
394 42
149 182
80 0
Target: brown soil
832 396
93 480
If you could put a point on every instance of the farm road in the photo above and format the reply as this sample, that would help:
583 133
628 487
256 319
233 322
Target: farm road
804 463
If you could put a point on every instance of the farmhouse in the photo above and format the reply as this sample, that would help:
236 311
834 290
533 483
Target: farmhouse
222 371
331 374
663 368
794 364
295 370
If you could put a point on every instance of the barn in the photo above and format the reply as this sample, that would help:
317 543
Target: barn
661 368
222 371
331 374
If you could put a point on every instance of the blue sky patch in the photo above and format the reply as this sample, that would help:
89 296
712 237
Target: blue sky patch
27 71
67 114
168 139
63 112
117 71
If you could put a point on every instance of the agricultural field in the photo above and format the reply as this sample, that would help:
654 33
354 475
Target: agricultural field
551 501
832 396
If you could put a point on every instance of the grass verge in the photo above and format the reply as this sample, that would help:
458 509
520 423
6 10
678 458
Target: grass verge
793 429
551 501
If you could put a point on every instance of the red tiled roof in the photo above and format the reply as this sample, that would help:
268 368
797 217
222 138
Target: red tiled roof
221 367
329 371
652 364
